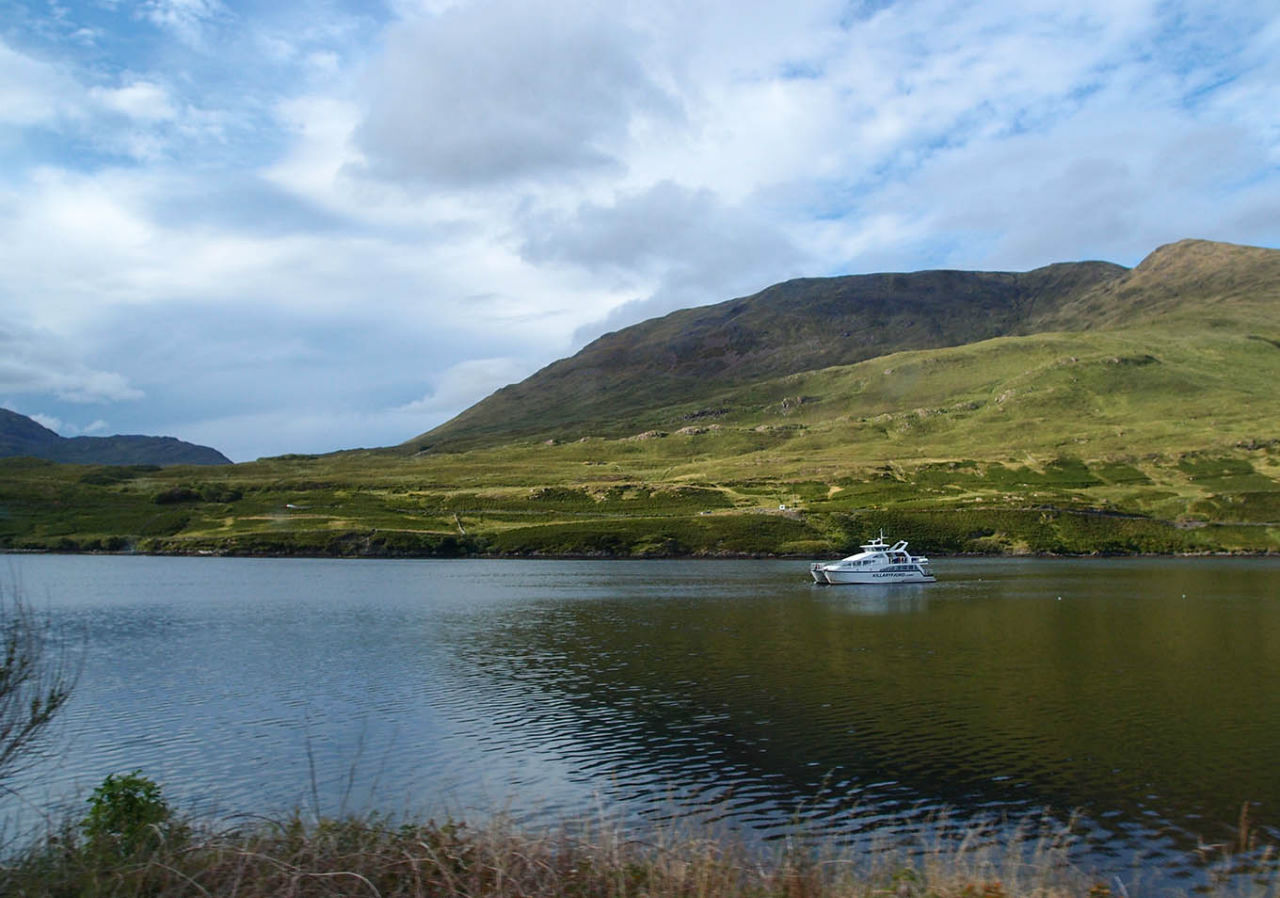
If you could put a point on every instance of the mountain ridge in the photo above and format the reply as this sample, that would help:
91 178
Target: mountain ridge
809 324
21 436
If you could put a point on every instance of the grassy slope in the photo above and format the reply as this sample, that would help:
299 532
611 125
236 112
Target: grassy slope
801 325
686 358
1197 283
1160 433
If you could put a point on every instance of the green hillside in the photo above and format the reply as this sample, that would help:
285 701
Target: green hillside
801 325
687 357
1076 409
1193 283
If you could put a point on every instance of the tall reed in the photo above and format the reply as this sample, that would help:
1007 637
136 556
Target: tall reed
293 858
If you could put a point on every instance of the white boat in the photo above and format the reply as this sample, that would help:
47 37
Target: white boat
878 562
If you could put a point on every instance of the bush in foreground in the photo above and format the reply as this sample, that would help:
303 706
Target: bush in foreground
129 817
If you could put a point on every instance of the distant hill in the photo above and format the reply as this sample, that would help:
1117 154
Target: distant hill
656 373
19 435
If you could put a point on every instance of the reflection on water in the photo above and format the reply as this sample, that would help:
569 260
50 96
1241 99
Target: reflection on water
1124 700
1141 693
902 598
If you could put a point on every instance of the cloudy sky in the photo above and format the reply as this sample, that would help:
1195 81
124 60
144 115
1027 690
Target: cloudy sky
303 225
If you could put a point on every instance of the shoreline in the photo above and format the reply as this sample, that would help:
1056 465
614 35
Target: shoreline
150 848
728 556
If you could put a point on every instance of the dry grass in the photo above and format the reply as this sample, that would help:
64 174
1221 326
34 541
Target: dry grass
293 859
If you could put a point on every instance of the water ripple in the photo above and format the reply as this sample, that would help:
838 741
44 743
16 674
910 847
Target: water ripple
731 694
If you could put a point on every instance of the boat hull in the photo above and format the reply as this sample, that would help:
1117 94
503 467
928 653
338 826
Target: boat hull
872 578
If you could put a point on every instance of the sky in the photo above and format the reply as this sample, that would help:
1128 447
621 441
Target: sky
275 226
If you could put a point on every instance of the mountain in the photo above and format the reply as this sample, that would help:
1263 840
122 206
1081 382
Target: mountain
657 372
1188 282
19 435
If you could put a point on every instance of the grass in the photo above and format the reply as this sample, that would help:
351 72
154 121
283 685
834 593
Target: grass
653 498
371 856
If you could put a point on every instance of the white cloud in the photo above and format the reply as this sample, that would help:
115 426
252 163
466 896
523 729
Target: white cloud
34 363
145 101
32 92
244 437
54 424
67 428
321 149
501 90
1110 173
185 19
462 385
252 435
128 114
676 246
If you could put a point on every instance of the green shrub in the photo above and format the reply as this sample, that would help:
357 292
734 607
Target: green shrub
220 492
107 476
176 494
166 523
127 815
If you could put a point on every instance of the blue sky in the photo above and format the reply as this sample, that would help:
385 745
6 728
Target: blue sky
304 226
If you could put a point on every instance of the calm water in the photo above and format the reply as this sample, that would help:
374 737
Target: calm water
1142 694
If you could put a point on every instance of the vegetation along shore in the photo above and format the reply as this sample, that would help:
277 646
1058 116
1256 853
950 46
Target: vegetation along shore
132 843
647 499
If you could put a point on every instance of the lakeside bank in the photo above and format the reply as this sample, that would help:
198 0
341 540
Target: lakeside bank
141 848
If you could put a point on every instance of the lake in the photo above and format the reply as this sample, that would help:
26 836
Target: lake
1142 695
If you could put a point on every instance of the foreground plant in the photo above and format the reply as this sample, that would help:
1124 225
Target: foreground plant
128 816
35 679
